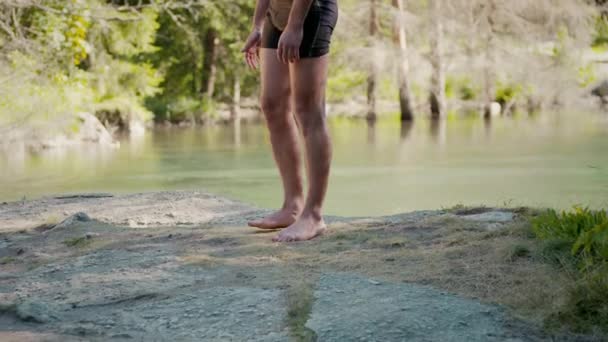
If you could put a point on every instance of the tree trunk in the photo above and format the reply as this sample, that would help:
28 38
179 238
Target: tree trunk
372 78
236 100
209 71
437 95
405 97
488 71
210 43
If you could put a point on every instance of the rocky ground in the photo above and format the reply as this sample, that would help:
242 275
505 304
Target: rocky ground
184 266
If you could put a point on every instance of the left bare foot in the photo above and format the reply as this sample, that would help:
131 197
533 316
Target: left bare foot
305 228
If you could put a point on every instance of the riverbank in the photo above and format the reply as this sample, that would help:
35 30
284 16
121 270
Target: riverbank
185 265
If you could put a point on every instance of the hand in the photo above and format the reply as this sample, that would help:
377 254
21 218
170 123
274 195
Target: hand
252 48
289 45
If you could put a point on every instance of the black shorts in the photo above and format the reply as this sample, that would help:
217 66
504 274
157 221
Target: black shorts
318 27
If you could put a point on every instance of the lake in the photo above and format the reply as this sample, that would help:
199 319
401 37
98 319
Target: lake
552 160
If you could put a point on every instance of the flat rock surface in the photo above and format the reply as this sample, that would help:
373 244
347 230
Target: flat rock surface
170 208
348 307
491 216
184 266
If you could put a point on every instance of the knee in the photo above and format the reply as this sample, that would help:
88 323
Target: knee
276 112
311 116
273 106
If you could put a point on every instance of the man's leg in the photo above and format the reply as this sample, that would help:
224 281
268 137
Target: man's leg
308 79
275 103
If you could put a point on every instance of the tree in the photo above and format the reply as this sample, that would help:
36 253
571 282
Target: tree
400 37
437 92
372 78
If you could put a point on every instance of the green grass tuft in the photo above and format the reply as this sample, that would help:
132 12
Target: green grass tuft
577 241
6 260
517 252
78 242
300 299
585 230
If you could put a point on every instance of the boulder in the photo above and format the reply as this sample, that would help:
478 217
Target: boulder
92 130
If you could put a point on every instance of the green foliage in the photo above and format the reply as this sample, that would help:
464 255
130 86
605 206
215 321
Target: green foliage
78 242
461 88
183 48
6 260
593 243
585 229
578 238
600 38
586 75
343 84
183 109
80 55
560 50
507 92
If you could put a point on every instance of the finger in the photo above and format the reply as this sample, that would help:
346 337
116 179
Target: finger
250 61
297 50
279 52
288 55
256 59
285 55
295 54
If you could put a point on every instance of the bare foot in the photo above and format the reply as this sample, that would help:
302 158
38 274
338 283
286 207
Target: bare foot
280 219
305 228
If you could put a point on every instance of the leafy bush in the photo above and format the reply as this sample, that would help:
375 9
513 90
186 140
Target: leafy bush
506 92
462 88
600 37
183 109
581 236
585 229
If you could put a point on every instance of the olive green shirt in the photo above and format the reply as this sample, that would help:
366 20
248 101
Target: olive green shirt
279 12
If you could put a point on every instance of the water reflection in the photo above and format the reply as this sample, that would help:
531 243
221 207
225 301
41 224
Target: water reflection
406 130
438 131
487 125
236 131
371 132
421 165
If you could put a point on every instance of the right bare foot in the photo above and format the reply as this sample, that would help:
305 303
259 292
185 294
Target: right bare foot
280 219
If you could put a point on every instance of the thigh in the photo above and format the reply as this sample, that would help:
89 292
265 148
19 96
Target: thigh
308 81
275 78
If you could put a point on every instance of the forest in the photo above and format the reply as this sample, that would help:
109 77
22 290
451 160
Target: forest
134 63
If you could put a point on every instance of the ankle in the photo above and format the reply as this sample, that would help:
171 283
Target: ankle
294 205
312 214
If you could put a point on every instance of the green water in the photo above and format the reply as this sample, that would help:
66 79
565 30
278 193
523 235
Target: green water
555 160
